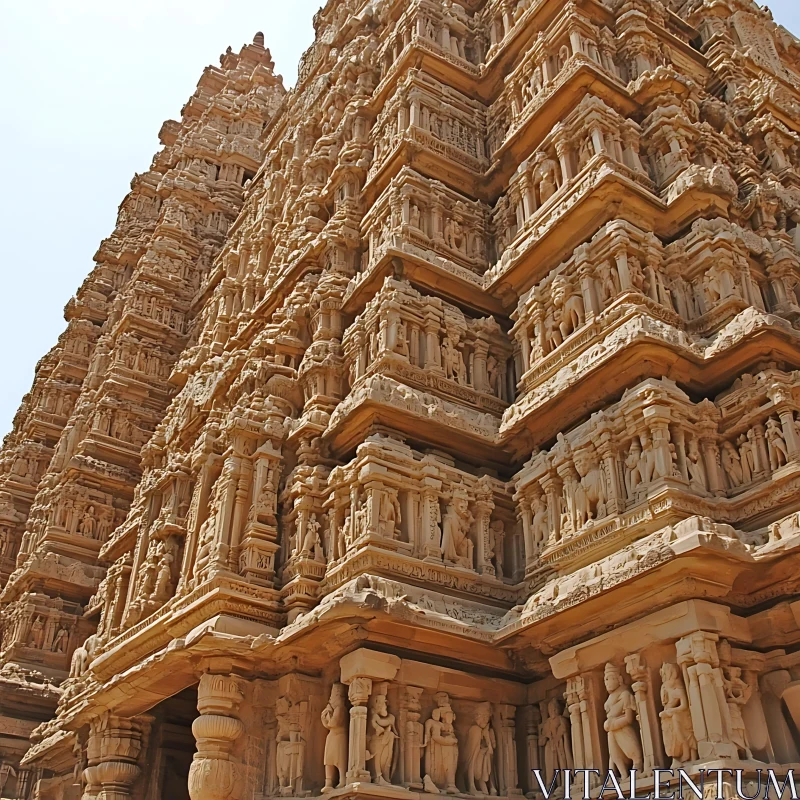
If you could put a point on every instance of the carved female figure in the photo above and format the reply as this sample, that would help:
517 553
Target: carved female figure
732 464
697 469
540 523
335 719
624 746
381 741
60 642
481 744
633 472
747 458
88 523
441 748
738 692
456 546
389 512
36 636
778 454
676 718
554 736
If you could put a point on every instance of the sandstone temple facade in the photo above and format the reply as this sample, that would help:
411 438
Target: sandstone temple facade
430 423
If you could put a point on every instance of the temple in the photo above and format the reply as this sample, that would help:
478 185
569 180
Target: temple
428 424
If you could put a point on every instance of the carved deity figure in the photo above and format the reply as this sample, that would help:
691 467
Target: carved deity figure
680 743
608 282
389 513
441 748
336 720
495 376
647 462
163 584
732 465
697 470
554 737
540 522
591 493
778 454
36 636
291 746
60 641
88 523
738 693
570 312
624 745
747 458
457 548
481 744
497 535
312 544
381 740
546 179
633 468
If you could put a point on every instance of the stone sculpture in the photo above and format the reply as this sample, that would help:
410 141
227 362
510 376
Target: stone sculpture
334 718
676 719
397 405
624 745
480 747
441 748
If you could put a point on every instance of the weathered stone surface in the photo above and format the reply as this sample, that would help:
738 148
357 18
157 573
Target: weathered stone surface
435 421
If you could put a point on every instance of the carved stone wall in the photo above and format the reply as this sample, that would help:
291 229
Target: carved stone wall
431 423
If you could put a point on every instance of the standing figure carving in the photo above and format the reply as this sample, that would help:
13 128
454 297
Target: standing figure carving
554 737
380 745
291 746
680 743
778 454
481 745
737 693
624 745
335 719
457 548
441 748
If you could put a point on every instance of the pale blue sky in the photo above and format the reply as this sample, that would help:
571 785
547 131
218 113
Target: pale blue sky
87 84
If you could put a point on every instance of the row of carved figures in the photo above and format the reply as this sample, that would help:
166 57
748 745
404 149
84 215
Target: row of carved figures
434 746
436 759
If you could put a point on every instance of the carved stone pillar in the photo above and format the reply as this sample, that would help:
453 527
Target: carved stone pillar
433 348
524 515
533 720
412 734
480 375
484 506
616 492
359 670
647 719
114 747
505 724
698 658
757 436
716 483
215 774
623 270
358 694
562 150
574 711
431 519
584 723
790 433
552 492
